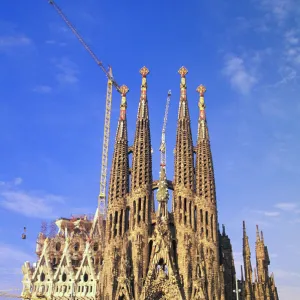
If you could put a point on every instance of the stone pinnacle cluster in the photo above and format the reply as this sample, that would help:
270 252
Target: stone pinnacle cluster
142 254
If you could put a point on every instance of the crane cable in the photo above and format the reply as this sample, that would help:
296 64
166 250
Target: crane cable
87 48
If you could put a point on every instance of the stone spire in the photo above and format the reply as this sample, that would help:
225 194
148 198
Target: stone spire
205 181
141 202
262 257
206 203
142 160
246 255
119 176
118 186
247 265
184 160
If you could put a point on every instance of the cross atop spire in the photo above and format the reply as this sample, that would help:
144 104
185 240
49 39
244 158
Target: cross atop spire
143 108
183 71
201 89
124 90
144 71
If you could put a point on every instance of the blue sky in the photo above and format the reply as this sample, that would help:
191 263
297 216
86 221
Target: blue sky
247 53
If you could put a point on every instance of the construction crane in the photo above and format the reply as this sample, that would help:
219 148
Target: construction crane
111 82
162 147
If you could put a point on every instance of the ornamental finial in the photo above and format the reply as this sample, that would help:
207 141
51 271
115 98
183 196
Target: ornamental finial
201 89
144 71
183 71
124 90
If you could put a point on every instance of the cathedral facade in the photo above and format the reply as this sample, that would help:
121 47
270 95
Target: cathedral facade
139 253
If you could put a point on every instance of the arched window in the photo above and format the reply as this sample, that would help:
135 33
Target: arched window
76 247
58 246
42 278
64 277
96 247
85 277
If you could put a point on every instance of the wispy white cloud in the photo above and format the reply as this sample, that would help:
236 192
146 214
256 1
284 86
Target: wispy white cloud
67 71
7 42
53 42
43 89
280 9
28 203
268 213
271 213
286 274
287 206
239 77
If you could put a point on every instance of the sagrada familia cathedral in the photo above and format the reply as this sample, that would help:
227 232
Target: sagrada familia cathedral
143 254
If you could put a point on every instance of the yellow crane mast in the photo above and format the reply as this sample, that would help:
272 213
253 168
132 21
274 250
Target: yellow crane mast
162 147
111 82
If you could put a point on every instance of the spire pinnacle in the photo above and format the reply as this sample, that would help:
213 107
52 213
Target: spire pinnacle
123 90
223 230
257 234
144 71
183 71
262 236
143 109
244 229
201 90
202 127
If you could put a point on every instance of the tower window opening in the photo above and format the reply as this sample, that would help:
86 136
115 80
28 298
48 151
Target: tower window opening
64 277
127 218
121 223
75 263
58 246
212 227
115 223
175 252
42 278
190 212
96 247
110 226
134 214
206 218
195 218
76 247
144 210
139 210
184 209
85 277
